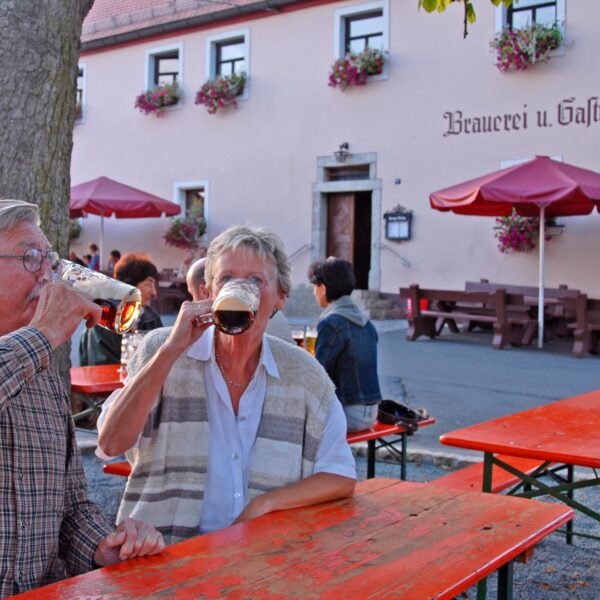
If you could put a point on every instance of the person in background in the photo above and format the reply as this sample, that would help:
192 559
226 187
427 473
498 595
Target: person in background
87 260
225 428
50 529
94 257
278 325
346 342
115 255
99 346
74 258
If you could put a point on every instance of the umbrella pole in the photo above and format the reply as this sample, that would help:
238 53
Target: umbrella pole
101 240
541 310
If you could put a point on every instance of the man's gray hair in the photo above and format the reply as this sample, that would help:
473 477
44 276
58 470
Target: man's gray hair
16 211
264 243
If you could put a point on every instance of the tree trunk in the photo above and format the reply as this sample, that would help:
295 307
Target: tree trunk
39 52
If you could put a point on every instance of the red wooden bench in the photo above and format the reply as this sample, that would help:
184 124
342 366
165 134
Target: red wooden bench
375 437
471 477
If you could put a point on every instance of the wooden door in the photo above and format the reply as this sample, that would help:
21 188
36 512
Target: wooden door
340 226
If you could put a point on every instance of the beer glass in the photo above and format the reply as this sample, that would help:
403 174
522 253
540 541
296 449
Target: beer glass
235 307
119 301
311 339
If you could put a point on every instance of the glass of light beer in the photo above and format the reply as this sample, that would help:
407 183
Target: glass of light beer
235 307
119 301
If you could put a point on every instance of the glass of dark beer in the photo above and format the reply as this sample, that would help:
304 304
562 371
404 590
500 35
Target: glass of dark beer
119 301
235 307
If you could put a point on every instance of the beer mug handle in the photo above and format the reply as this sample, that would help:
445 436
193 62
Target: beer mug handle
205 319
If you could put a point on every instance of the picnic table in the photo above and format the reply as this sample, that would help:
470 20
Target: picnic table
93 385
391 540
562 434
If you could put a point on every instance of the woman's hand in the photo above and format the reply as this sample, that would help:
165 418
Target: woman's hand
189 325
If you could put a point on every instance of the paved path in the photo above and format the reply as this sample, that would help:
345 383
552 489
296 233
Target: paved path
461 380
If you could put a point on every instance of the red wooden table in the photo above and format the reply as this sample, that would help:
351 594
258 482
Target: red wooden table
94 384
101 379
392 540
563 433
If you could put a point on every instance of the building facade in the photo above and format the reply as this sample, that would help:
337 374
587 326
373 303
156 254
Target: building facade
322 166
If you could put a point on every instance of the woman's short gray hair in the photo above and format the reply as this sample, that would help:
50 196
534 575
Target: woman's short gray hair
264 243
16 211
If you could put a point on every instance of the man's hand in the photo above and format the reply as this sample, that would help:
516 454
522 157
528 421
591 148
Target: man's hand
131 538
188 326
59 311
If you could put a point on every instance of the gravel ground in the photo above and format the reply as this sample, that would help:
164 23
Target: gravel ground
556 572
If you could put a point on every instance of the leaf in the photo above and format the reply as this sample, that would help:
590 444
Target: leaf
429 5
470 13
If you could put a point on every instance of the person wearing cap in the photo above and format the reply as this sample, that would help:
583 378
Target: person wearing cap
50 529
99 346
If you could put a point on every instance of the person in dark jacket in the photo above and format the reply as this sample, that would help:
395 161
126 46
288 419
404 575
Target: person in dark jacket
99 346
346 342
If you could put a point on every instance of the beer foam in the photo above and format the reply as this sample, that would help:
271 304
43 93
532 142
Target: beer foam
231 303
100 288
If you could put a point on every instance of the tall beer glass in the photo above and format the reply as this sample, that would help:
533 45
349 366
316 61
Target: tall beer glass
235 307
120 302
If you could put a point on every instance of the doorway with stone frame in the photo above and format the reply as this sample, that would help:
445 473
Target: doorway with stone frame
347 215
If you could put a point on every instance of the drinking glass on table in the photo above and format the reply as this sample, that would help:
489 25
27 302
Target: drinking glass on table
298 335
119 301
311 339
129 345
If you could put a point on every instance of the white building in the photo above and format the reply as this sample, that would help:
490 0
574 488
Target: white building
440 113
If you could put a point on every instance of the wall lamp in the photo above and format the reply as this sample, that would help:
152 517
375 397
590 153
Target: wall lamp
343 152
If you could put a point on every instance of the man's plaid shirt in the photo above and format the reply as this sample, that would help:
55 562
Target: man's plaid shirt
48 527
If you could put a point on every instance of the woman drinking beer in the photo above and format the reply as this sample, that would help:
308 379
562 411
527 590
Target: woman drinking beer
223 428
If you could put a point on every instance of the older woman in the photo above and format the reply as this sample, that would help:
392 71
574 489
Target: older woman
222 428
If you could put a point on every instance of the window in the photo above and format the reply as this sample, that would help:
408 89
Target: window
362 26
192 196
363 31
164 66
230 57
80 93
228 53
526 12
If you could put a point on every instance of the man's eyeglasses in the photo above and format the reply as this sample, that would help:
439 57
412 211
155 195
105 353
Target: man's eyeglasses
259 282
34 257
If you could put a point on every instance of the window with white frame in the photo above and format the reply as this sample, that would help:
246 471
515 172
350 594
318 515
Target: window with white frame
362 26
192 196
164 66
80 92
227 54
527 12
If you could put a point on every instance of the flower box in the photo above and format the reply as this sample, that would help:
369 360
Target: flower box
221 92
157 99
355 69
520 234
186 232
525 47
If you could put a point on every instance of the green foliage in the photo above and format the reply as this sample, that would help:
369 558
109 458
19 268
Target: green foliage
74 229
186 232
469 9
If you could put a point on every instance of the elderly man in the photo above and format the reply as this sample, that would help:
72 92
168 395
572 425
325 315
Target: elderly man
49 527
278 325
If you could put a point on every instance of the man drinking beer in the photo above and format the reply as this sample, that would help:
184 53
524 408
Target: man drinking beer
49 527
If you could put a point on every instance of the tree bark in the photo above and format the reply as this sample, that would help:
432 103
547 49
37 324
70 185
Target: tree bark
39 53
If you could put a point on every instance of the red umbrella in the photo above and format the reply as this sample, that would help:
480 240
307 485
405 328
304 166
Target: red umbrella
541 187
106 197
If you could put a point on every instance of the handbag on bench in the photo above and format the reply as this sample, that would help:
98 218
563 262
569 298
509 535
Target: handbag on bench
396 413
